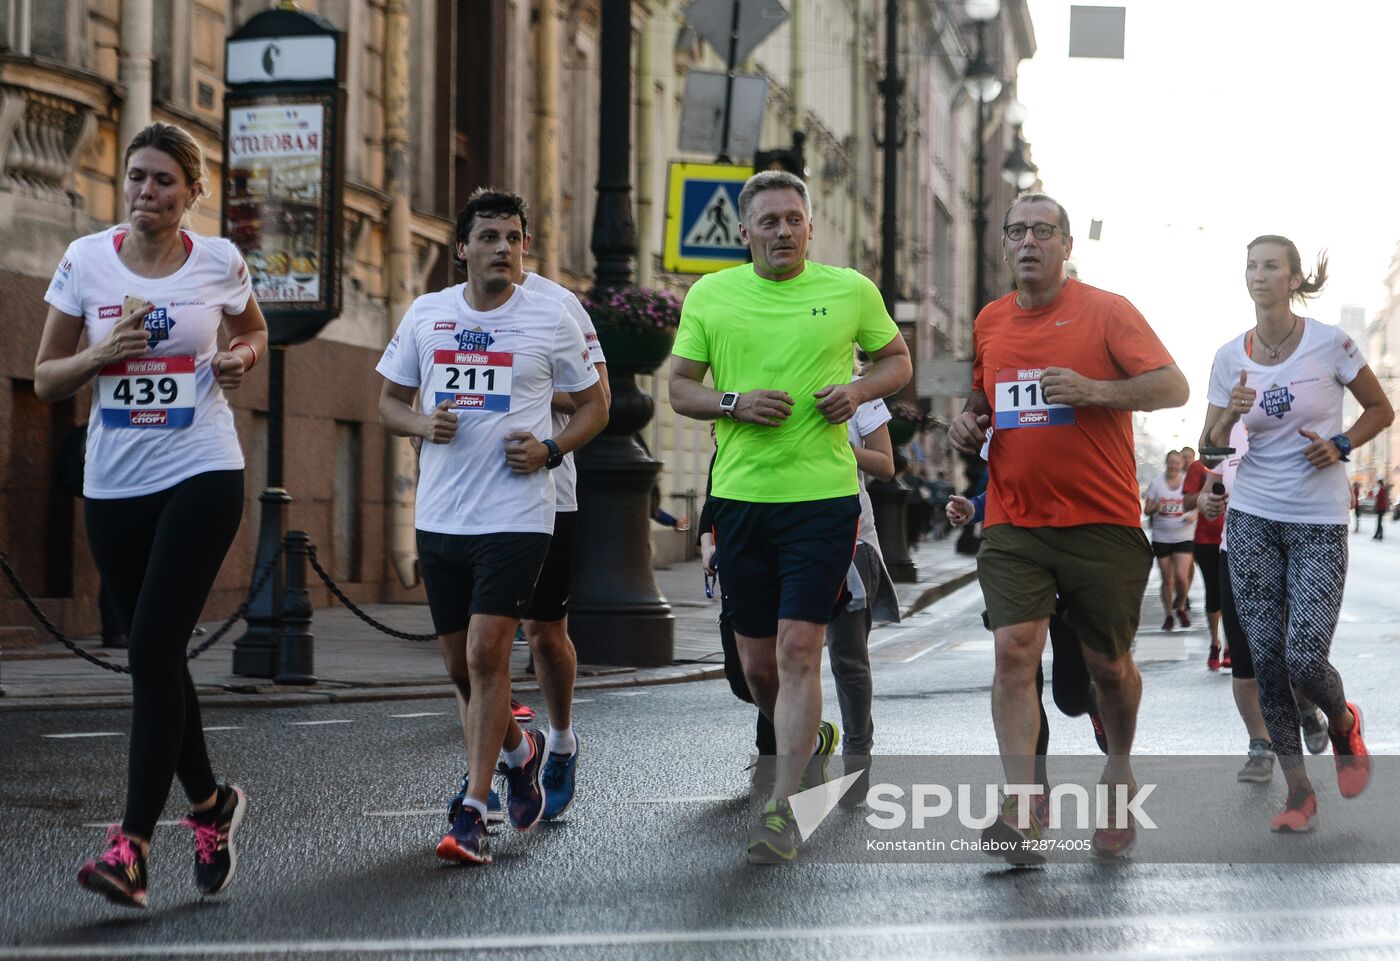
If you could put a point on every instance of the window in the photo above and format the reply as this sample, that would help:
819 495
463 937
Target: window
345 508
942 255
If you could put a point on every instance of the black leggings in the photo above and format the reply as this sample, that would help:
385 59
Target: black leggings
158 556
1208 560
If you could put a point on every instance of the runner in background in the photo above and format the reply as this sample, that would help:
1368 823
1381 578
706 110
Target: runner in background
1173 529
1207 553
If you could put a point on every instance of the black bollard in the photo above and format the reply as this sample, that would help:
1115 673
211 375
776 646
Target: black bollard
296 646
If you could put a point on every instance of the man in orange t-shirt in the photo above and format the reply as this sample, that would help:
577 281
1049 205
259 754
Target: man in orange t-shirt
1059 368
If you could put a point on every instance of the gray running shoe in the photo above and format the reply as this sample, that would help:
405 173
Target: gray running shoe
1315 730
1259 769
774 838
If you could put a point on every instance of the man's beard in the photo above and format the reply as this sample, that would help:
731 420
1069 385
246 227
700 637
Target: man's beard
495 285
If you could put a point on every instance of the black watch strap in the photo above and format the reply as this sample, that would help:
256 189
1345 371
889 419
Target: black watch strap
556 456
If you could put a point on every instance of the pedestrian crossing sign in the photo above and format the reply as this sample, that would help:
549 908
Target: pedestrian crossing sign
702 218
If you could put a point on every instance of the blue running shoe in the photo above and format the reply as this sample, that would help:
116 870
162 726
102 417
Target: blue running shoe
525 796
467 842
558 781
493 805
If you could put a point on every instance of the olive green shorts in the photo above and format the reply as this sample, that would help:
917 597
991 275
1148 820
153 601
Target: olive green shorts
1098 570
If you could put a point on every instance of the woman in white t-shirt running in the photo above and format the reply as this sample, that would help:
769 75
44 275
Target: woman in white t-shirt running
163 482
1286 378
1173 537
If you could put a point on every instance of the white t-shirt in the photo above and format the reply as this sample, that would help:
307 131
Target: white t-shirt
1227 469
566 474
1304 392
501 368
868 418
161 418
1172 523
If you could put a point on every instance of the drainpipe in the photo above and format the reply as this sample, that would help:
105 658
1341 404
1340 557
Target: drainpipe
646 193
137 39
795 63
857 152
547 201
403 461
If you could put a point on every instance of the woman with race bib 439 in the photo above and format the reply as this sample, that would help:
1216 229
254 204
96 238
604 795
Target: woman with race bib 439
163 485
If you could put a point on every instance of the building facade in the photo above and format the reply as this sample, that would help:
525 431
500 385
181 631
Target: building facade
498 92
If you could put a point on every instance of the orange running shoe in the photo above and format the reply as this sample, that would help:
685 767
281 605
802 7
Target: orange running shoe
1298 812
1353 760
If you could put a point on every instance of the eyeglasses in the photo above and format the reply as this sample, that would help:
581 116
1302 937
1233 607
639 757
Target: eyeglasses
1017 232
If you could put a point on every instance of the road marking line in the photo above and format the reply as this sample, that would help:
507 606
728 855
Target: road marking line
481 944
625 693
402 814
66 737
226 727
341 720
932 647
422 714
893 637
702 799
582 700
104 824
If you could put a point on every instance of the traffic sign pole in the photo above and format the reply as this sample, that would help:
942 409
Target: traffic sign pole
731 66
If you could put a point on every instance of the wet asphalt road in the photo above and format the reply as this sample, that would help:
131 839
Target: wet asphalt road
336 856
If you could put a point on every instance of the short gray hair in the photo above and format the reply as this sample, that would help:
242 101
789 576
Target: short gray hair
772 180
1039 198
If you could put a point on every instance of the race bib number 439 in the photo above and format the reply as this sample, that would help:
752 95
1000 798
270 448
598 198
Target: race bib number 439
472 380
1020 402
152 392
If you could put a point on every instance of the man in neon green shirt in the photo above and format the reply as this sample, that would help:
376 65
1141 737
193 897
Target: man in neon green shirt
777 335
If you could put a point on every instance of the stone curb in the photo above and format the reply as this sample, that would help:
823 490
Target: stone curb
300 697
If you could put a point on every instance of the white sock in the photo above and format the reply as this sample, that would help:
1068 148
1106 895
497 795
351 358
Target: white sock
520 755
479 805
561 742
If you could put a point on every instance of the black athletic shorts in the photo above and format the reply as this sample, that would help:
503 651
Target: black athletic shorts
784 561
466 574
1161 549
551 601
1241 662
1208 560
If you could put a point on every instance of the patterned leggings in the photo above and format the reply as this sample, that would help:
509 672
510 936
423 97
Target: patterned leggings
1287 581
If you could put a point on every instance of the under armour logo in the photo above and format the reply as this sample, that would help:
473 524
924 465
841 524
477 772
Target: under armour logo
818 310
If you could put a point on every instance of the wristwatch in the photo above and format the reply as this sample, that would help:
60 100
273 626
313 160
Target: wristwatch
556 456
1343 443
727 403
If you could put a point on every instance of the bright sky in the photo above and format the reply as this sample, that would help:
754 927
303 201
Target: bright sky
1226 119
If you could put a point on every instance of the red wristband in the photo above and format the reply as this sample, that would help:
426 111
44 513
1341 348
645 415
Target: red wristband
243 343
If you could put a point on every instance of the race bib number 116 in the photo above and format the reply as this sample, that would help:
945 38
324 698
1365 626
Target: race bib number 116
1020 402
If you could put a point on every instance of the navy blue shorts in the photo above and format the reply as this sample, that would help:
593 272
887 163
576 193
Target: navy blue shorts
784 561
551 601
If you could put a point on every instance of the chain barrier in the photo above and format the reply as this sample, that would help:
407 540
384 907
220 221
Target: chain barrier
194 652
352 608
223 629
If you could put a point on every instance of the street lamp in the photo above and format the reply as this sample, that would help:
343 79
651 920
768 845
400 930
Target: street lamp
1017 170
983 85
